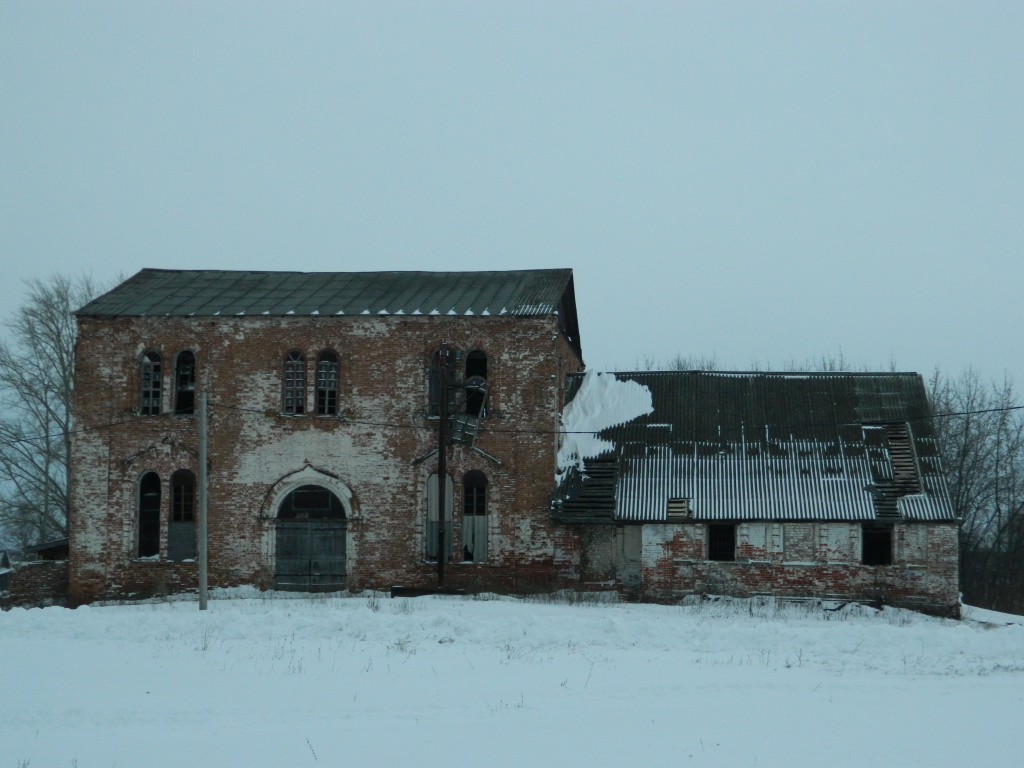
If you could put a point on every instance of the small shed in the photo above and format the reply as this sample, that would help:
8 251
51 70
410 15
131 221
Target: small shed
55 549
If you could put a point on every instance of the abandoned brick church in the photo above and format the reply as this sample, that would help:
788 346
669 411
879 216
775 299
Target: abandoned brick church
325 393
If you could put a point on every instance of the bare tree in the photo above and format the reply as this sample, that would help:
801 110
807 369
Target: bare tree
37 363
980 431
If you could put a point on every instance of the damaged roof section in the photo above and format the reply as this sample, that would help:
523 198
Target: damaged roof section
764 446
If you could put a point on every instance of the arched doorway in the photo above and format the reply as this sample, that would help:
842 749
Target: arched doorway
310 541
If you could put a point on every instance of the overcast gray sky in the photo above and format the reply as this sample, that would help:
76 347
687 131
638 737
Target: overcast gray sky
762 182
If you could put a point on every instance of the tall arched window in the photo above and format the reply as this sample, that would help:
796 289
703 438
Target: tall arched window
151 377
476 396
432 532
474 517
185 382
436 381
327 384
149 515
294 398
181 530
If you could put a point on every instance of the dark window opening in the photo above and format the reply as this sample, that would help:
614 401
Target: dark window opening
183 496
474 517
476 396
876 541
185 383
294 402
327 384
722 542
311 502
152 379
181 531
433 524
149 515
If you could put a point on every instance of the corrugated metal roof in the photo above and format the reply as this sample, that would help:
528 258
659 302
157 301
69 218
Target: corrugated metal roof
769 446
183 293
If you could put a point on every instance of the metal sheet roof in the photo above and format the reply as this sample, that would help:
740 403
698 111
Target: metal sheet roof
767 446
184 293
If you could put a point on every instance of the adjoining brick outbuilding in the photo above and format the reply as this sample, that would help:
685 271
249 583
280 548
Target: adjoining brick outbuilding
823 485
323 394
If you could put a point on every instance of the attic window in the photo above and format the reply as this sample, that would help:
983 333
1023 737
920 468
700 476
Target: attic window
151 376
679 509
722 542
327 384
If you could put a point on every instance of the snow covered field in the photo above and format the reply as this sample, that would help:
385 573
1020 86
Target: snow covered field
370 681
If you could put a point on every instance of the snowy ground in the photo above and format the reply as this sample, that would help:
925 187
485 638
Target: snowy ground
371 681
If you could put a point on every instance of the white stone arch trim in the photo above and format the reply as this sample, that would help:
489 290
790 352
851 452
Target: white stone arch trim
308 475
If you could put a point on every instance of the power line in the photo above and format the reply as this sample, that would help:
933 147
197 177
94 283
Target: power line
430 428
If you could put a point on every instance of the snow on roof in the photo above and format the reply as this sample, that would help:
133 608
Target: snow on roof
602 401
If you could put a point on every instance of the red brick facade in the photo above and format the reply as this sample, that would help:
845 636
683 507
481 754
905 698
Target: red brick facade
370 455
374 455
36 583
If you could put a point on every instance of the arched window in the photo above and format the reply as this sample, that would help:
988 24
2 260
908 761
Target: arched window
476 395
435 383
432 532
181 530
474 517
185 383
149 515
327 384
151 380
294 400
311 502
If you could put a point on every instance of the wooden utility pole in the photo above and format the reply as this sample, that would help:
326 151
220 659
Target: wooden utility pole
202 502
442 459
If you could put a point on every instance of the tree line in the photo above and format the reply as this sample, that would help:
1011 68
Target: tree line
978 423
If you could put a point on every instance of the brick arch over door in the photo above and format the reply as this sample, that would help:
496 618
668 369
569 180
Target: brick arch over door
311 510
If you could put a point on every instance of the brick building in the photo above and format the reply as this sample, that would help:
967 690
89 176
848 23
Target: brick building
323 394
809 484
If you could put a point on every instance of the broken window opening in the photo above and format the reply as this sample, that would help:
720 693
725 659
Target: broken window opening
151 383
876 545
434 383
722 542
181 530
149 515
185 383
327 384
432 517
476 397
474 517
294 399
311 502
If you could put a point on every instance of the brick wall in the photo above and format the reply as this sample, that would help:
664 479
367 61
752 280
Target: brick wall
806 560
37 583
368 454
